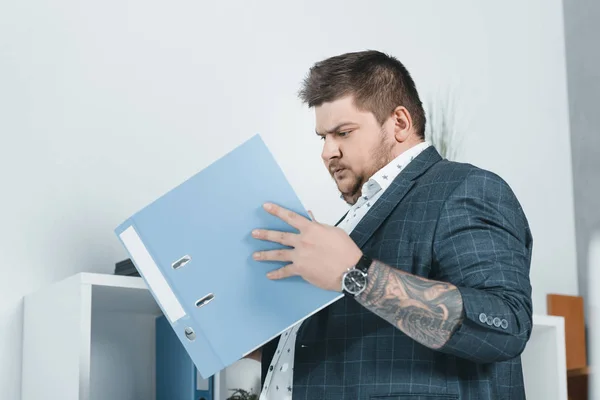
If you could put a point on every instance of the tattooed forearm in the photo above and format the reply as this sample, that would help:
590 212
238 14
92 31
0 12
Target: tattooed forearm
428 311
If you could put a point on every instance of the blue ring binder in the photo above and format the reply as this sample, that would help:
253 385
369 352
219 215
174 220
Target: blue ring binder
193 248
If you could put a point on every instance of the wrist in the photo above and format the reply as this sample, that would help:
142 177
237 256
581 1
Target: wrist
356 278
368 291
350 260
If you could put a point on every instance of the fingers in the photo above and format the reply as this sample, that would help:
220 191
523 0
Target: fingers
274 255
312 216
290 217
283 272
284 238
278 255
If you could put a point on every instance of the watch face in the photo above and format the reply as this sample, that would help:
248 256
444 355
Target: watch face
355 281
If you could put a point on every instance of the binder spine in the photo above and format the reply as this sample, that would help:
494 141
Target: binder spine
163 293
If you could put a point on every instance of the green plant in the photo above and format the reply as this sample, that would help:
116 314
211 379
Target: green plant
241 394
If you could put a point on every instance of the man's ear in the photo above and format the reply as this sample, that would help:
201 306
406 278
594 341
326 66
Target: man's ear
403 125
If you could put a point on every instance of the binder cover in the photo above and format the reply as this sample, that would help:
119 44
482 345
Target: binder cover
193 248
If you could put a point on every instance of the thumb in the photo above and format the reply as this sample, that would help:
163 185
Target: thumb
312 216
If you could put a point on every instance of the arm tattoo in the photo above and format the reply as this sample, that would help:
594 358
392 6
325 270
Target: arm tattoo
427 311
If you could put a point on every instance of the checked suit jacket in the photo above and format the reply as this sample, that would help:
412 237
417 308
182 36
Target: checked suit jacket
445 221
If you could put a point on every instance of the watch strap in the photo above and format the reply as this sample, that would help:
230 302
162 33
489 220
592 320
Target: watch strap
364 263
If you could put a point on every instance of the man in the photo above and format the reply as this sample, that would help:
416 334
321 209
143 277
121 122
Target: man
433 257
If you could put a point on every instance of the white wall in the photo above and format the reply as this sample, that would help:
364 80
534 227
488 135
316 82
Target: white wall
107 105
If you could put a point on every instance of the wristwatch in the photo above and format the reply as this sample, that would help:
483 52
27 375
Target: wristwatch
354 281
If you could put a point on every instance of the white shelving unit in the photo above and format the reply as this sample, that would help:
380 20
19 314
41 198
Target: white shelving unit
545 359
92 337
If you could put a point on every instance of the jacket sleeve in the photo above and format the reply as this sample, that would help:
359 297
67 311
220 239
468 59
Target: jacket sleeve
483 245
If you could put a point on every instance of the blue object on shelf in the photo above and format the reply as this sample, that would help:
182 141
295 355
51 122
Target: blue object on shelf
176 376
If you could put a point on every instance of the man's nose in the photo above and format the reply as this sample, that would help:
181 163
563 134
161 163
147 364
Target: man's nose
330 149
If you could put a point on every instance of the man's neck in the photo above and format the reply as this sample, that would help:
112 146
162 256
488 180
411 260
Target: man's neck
403 147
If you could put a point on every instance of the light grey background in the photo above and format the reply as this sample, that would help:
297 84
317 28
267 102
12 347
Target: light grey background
583 76
582 34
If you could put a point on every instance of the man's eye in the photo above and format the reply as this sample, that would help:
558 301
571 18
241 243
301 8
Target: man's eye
343 133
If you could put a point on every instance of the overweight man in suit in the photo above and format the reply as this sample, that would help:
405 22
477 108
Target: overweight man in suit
433 257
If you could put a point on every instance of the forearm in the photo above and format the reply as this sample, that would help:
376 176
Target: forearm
482 245
427 311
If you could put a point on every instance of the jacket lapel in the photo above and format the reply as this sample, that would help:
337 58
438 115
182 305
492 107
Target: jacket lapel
393 195
341 219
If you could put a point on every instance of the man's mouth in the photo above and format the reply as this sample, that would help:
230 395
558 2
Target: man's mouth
338 171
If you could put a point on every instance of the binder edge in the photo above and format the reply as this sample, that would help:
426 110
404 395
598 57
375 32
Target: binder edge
150 272
129 223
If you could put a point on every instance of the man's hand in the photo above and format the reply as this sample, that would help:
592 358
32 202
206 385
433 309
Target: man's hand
319 253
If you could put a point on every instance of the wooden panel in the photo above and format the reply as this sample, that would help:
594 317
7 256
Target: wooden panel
578 388
571 308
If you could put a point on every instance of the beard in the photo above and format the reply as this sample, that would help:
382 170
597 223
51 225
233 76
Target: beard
380 156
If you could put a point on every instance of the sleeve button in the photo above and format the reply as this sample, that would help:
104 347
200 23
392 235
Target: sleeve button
482 318
504 324
497 322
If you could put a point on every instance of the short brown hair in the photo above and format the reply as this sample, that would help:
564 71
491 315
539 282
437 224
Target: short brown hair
379 83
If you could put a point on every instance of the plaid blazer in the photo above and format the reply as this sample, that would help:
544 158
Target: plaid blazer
445 221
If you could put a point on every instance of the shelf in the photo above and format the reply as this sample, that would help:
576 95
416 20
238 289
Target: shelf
577 372
92 337
120 294
544 360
